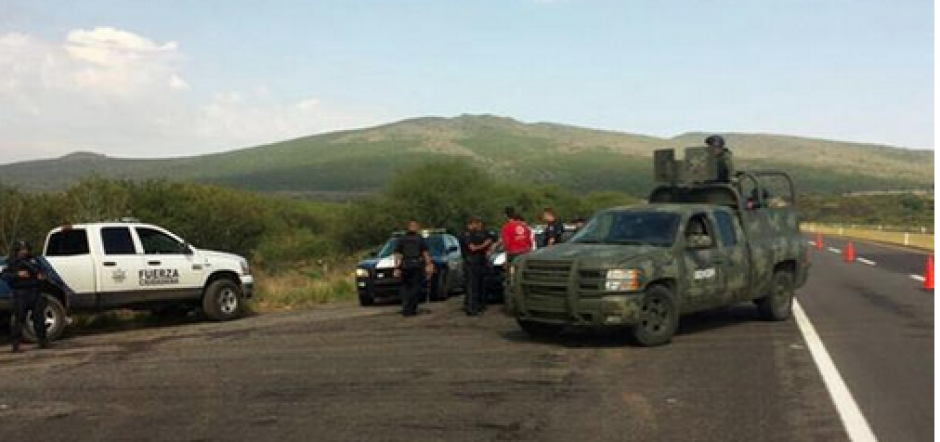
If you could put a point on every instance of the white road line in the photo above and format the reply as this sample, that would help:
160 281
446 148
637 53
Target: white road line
834 250
852 418
866 261
918 277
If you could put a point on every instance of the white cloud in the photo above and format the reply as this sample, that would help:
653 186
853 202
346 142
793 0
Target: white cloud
121 93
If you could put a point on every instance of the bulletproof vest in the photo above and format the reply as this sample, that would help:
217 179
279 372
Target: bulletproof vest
411 247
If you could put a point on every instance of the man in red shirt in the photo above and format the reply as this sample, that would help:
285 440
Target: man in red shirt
516 236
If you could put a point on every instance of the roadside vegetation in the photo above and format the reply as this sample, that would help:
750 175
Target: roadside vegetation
303 251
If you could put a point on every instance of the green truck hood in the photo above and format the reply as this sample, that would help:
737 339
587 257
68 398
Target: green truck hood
596 255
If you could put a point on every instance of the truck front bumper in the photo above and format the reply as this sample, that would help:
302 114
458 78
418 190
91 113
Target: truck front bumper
248 285
608 310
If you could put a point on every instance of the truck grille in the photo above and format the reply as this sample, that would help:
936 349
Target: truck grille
546 278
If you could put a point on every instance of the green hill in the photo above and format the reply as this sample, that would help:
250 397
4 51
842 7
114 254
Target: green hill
358 161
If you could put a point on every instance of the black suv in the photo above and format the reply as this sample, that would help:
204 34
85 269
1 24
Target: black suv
375 277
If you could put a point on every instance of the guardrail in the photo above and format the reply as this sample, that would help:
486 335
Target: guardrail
920 237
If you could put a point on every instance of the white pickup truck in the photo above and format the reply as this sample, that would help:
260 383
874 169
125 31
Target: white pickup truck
143 267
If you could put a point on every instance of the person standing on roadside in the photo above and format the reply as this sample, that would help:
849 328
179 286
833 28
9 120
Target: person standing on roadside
24 275
412 264
516 236
478 246
554 229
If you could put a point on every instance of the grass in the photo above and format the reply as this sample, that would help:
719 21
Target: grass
302 288
911 239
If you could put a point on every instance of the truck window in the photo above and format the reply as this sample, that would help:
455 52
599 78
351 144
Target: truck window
156 242
729 237
117 241
68 243
698 233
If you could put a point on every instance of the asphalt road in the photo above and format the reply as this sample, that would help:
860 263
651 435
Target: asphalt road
878 325
347 373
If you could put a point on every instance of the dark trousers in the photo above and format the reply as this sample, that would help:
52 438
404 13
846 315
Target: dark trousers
28 303
475 300
410 290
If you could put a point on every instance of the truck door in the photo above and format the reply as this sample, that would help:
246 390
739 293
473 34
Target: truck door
735 262
703 263
171 269
68 251
118 268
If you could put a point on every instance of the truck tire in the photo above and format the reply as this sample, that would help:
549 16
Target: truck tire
366 300
659 318
778 305
540 329
223 300
56 319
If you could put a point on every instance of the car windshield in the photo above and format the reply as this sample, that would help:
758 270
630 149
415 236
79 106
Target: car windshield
629 228
435 243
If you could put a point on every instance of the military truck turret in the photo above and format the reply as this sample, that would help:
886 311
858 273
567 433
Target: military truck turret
699 243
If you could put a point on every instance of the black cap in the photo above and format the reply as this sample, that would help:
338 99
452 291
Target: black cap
715 141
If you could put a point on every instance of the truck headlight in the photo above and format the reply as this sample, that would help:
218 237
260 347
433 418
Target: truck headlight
362 273
246 269
623 280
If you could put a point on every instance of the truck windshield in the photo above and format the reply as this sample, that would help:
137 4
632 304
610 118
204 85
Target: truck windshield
630 228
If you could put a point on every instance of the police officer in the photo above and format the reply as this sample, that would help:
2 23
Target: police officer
412 264
554 229
716 144
23 274
478 243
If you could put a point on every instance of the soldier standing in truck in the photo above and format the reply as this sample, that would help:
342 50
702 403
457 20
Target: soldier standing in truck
716 145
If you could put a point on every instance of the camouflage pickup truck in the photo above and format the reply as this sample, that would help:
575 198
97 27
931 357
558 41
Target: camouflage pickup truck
697 244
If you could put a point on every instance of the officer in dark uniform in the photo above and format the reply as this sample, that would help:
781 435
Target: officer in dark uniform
24 274
554 229
412 264
478 243
716 144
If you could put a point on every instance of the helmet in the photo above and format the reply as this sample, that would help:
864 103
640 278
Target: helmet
715 141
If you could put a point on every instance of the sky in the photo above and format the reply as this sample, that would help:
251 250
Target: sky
158 78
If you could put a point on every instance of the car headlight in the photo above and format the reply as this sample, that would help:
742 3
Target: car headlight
623 280
362 273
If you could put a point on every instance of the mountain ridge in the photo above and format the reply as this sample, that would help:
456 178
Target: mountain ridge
573 157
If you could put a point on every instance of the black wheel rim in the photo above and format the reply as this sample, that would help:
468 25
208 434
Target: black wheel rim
655 315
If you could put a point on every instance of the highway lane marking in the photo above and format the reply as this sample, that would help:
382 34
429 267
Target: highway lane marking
866 261
834 250
852 418
917 277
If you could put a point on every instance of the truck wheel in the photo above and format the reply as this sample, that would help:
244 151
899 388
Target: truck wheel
540 329
223 300
778 305
366 300
659 318
56 319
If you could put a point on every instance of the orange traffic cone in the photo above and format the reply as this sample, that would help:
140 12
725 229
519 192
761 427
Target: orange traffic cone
849 252
928 274
819 241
